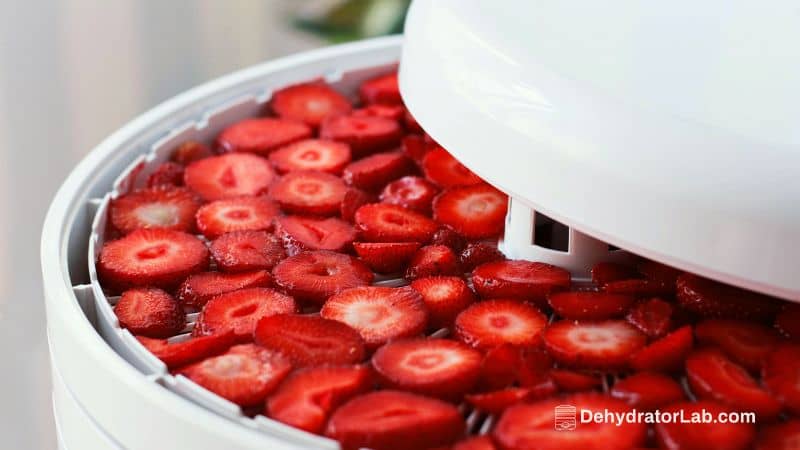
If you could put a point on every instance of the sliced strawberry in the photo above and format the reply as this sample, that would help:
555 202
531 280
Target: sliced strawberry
365 135
652 317
746 343
478 253
477 211
780 374
373 172
496 402
386 257
648 391
573 381
415 147
392 420
782 436
667 353
708 298
261 136
236 214
354 199
410 192
189 152
500 367
658 272
315 276
309 192
589 305
381 222
245 374
445 298
198 289
311 154
530 426
431 261
688 434
309 103
639 288
159 207
246 251
446 236
535 367
310 340
522 280
150 312
151 257
308 233
307 397
593 345
239 311
443 169
227 176
383 89
475 443
491 323
167 174
606 272
394 112
787 322
178 354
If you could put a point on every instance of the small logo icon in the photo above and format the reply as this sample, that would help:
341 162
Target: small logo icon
565 418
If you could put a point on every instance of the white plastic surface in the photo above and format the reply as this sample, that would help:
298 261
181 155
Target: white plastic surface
670 130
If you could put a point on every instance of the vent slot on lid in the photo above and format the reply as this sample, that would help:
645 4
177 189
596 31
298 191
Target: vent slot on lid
549 234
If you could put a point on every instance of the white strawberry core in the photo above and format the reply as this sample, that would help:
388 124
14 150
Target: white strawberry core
478 204
236 214
229 366
507 325
425 361
158 214
309 156
438 292
600 337
368 314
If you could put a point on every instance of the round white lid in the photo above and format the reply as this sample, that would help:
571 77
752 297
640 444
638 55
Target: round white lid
669 129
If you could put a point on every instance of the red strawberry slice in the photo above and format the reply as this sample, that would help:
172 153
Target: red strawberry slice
198 289
448 237
443 169
365 135
477 211
373 172
178 354
379 314
392 420
381 222
780 374
522 280
386 257
315 276
410 192
261 136
308 233
606 272
309 192
394 112
168 174
415 147
782 436
573 381
227 176
652 317
435 367
589 305
151 257
150 312
309 103
658 272
239 311
639 288
491 323
496 402
648 391
354 199
666 354
159 207
246 251
534 425
787 322
501 367
478 253
746 343
245 374
431 261
593 345
307 397
708 298
236 214
445 298
310 340
383 89
311 154
189 152
475 443
677 435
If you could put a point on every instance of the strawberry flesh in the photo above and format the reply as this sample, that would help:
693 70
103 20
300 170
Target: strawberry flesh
787 322
167 174
239 311
199 288
652 317
261 136
445 171
448 237
781 436
677 435
226 176
445 298
383 89
311 154
386 257
158 207
709 298
475 443
394 112
606 272
309 192
490 323
574 381
150 312
476 253
236 214
648 391
524 280
666 354
365 135
746 343
310 103
780 374
308 233
433 260
246 251
179 354
589 305
352 200
477 211
189 152
593 345
373 172
316 275
381 222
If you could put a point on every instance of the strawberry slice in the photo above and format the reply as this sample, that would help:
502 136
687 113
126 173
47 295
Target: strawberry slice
712 299
378 313
589 305
309 103
677 435
227 176
522 280
780 374
239 311
307 397
639 288
167 174
746 343
501 367
648 391
477 211
311 154
246 251
381 222
658 272
652 317
593 345
309 192
261 136
386 257
415 147
159 207
410 192
178 354
787 322
189 152
606 272
529 426
150 257
573 381
394 112
373 172
446 171
782 436
236 214
433 260
308 233
354 199
445 298
199 288
435 367
448 237
392 420
365 135
666 354
245 374
475 254
310 340
475 443
496 402
315 276
383 89
491 323
150 312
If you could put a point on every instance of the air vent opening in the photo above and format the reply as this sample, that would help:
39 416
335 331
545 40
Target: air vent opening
614 248
550 234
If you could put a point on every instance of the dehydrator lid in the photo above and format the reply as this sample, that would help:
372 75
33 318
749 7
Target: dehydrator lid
669 129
